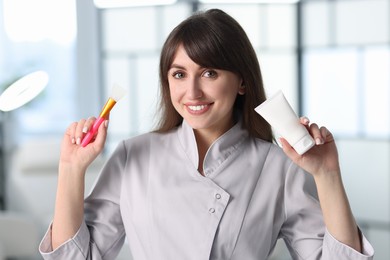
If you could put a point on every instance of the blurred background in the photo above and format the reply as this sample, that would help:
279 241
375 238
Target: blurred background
331 58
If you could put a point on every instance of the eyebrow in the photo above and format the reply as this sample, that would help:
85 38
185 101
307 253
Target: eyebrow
177 66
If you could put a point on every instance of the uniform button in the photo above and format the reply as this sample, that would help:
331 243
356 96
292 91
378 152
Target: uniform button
211 210
217 196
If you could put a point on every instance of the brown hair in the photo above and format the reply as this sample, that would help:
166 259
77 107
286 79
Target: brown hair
213 39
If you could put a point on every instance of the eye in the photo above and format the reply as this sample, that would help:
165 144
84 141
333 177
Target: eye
210 74
178 75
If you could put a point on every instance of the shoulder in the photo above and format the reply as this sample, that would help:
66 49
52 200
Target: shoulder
147 140
274 152
276 162
140 148
281 169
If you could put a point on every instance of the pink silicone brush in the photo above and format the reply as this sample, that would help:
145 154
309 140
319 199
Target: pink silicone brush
116 94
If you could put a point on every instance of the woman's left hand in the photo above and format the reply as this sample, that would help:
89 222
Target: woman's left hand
322 158
323 163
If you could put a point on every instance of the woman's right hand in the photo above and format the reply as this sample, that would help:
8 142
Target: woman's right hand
75 156
74 161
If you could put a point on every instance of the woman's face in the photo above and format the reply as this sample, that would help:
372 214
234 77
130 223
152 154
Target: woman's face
204 97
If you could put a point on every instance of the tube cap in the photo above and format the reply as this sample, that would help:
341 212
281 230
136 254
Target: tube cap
304 144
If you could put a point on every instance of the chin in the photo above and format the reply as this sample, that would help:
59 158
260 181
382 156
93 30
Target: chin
197 125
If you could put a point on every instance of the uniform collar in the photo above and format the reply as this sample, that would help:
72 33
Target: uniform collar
219 151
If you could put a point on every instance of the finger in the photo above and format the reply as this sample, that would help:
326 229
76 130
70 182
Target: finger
325 133
304 120
88 124
316 133
101 136
79 131
70 132
289 150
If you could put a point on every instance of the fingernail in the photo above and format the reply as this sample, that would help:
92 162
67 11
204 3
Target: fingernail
85 129
318 141
78 141
106 123
73 140
305 120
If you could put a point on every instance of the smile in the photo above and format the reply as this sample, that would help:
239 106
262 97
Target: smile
198 109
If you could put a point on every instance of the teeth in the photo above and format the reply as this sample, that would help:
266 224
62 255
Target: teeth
197 108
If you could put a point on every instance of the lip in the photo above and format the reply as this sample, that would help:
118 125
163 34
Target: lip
198 108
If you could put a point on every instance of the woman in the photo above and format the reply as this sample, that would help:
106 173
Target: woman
208 183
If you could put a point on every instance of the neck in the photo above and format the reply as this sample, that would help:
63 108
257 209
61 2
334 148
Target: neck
205 138
203 145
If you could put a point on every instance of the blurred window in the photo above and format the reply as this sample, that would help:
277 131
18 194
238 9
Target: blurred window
41 35
346 64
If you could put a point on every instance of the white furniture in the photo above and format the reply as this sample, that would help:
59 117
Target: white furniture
32 179
31 185
18 236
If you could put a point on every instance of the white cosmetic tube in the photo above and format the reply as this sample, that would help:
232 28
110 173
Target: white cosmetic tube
279 114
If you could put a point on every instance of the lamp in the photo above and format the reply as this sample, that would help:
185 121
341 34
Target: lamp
23 90
16 95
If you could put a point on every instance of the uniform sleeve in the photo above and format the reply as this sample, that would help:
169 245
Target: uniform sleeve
101 235
304 231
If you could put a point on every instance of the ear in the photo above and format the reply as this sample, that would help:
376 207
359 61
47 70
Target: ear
242 89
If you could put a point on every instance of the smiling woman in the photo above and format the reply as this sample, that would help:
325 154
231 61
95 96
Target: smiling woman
203 96
236 191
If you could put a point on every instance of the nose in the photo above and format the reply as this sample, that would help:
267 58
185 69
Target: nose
194 90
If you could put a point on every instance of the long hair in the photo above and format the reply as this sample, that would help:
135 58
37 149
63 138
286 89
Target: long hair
213 39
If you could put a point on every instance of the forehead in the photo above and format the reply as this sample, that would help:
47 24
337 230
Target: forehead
181 58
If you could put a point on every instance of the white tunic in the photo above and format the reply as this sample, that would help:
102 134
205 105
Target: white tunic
151 192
